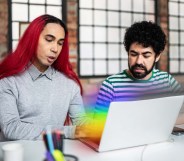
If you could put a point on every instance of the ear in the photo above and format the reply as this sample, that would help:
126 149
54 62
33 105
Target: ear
157 58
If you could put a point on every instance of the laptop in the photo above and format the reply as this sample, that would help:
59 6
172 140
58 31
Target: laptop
136 123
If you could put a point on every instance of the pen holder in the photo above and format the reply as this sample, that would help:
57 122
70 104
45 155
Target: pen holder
54 143
54 140
66 157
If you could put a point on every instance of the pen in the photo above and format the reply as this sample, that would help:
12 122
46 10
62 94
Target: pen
50 141
49 156
45 141
60 138
58 155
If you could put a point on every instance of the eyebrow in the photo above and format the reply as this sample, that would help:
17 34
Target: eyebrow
146 52
62 39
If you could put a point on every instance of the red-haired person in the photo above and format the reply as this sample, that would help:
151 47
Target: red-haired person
38 87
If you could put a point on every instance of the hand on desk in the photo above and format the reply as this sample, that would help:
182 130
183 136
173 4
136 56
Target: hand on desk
91 131
81 132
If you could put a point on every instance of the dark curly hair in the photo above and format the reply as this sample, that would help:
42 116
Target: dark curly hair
147 34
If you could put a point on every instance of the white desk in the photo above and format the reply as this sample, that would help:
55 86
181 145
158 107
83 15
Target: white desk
166 151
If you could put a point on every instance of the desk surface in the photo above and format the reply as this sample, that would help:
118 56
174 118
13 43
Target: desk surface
165 151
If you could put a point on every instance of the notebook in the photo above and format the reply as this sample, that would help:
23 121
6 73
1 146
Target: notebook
136 123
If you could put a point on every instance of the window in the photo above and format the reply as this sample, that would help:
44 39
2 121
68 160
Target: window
24 11
101 28
176 36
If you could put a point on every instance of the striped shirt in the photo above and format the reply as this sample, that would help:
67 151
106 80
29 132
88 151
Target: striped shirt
123 87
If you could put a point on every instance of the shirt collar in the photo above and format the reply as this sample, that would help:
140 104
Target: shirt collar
35 73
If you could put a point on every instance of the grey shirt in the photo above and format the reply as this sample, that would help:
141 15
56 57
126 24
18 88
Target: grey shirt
33 101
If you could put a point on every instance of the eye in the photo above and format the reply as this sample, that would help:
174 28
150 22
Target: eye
147 55
133 54
60 43
49 38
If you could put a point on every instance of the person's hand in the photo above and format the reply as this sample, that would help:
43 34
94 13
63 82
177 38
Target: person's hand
92 131
84 131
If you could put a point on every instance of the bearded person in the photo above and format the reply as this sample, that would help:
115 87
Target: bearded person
144 42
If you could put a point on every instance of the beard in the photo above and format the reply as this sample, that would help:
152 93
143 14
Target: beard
140 75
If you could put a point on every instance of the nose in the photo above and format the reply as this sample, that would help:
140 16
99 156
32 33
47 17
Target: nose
139 59
54 48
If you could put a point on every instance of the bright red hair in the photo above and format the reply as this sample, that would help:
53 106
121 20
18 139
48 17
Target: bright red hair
18 60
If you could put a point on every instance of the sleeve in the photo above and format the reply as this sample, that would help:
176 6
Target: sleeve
77 112
176 88
105 96
13 128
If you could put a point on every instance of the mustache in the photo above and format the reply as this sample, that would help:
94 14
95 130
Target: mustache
139 66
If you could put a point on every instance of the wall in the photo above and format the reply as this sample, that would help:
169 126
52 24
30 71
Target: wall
3 28
162 14
90 85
